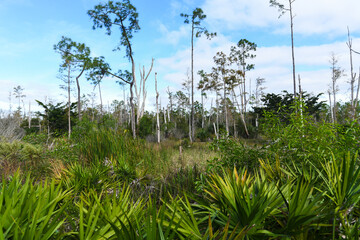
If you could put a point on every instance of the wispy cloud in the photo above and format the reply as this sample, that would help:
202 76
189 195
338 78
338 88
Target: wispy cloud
173 37
311 17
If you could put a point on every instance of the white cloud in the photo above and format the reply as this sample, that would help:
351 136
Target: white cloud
311 17
272 63
173 37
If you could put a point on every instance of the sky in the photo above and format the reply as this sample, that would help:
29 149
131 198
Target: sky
30 28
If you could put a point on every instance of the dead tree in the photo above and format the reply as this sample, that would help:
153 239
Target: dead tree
141 91
157 111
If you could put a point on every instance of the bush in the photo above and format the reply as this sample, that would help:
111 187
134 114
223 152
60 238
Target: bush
234 153
24 155
145 126
304 140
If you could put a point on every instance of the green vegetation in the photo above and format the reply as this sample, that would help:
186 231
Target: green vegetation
301 181
89 173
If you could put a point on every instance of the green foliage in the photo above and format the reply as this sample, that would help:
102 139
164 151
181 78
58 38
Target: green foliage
195 20
304 140
203 134
146 126
36 138
26 156
55 117
243 201
73 53
234 153
283 105
340 181
80 178
303 209
103 146
117 13
31 212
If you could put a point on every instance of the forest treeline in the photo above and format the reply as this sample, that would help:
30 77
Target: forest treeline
229 101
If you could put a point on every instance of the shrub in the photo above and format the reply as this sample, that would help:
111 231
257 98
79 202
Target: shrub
234 153
24 155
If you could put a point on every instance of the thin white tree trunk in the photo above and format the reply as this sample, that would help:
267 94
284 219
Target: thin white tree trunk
331 108
292 44
29 117
192 125
157 111
69 103
225 109
101 102
242 117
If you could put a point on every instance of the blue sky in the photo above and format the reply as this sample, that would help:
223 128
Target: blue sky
30 28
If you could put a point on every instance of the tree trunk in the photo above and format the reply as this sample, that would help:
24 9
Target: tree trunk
192 126
142 90
242 117
331 108
225 109
234 116
357 95
171 105
157 111
300 99
292 44
133 123
216 133
69 103
101 101
352 77
202 109
334 97
78 92
29 117
217 112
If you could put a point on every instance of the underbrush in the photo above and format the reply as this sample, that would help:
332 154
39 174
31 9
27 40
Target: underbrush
320 203
301 182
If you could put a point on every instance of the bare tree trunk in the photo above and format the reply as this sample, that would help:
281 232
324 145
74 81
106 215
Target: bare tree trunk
190 133
101 102
142 89
171 104
242 117
157 111
29 117
292 44
216 133
69 103
192 126
202 109
234 115
133 123
300 99
168 113
211 107
217 112
352 77
331 108
78 91
243 91
334 97
225 109
357 94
